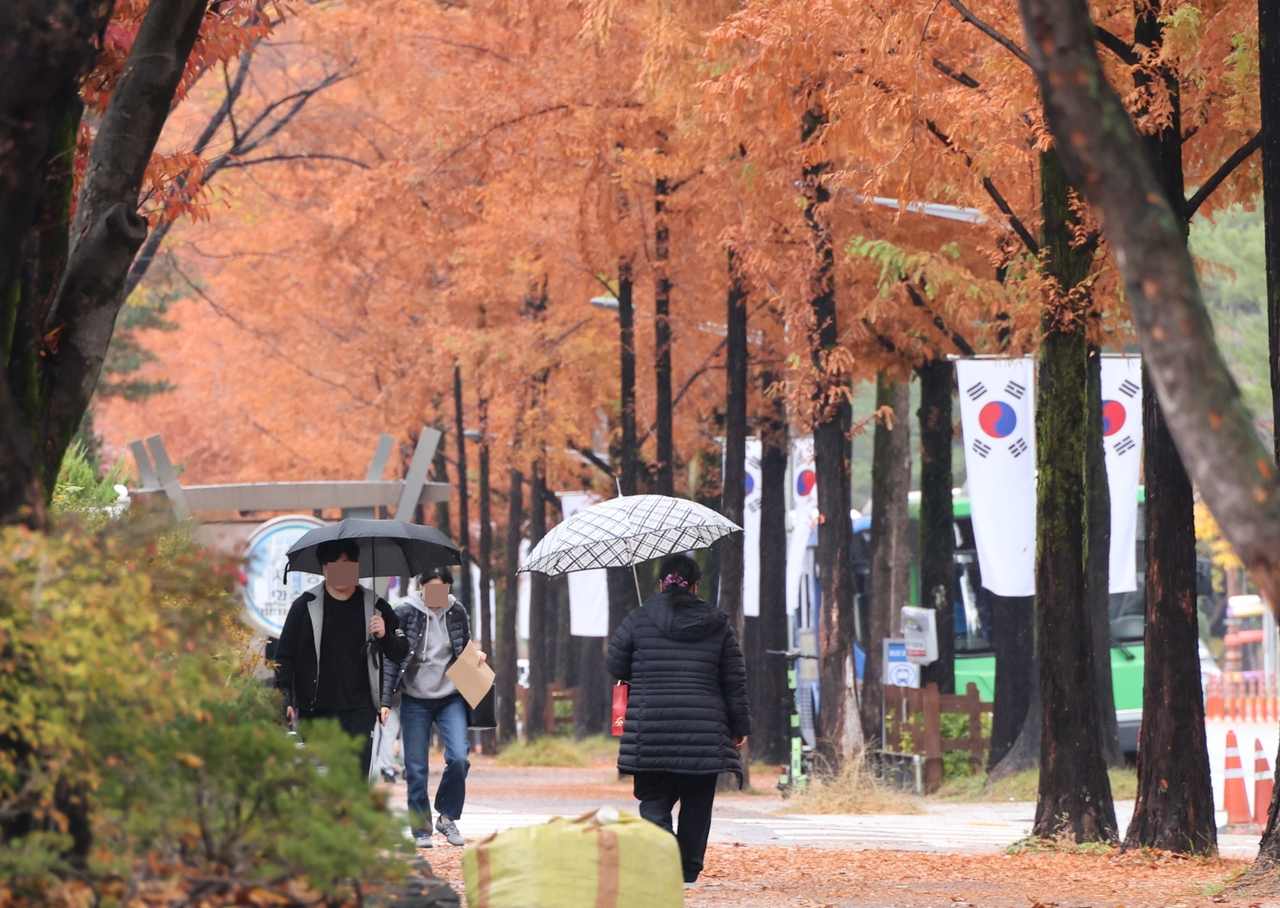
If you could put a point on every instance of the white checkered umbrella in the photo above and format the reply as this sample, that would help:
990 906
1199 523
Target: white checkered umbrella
626 531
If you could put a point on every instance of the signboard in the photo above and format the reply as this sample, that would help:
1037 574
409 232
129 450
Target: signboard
267 596
897 670
920 634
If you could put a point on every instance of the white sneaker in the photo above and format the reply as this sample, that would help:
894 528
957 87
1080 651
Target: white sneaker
693 885
449 829
422 838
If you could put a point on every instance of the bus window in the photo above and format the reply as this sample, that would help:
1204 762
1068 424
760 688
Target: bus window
973 614
1128 614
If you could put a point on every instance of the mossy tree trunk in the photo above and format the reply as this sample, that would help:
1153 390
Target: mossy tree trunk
1075 793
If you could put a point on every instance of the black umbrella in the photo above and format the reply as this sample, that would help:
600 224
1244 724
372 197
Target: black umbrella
388 548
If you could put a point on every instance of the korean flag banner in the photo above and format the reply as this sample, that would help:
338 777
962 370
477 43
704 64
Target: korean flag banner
997 415
1122 438
804 512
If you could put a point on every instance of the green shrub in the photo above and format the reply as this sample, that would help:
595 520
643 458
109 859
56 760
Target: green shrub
134 731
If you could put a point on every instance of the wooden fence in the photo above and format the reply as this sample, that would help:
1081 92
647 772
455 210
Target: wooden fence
913 716
555 694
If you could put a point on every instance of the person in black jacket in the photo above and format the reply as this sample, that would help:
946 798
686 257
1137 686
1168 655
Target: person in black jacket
687 710
329 657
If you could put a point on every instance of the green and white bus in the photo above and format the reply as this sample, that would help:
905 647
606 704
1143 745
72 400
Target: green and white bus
975 615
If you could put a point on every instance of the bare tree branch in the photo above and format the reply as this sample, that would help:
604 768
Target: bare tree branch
242 142
249 162
1007 43
1241 154
462 44
996 196
494 128
954 336
1116 45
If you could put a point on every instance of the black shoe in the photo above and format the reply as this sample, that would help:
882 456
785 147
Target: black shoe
388 775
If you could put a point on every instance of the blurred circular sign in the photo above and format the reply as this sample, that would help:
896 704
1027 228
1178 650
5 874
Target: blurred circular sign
267 596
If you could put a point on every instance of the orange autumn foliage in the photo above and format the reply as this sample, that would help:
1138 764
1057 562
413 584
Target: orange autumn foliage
506 157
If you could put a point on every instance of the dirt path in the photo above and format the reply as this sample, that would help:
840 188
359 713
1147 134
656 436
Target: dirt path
773 877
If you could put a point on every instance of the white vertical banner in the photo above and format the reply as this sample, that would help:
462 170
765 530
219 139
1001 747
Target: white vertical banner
475 597
803 514
523 592
997 413
1122 439
751 533
588 590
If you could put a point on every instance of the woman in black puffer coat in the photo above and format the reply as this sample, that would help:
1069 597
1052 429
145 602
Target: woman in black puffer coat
687 711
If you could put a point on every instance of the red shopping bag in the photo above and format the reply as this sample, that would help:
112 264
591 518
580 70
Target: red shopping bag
620 691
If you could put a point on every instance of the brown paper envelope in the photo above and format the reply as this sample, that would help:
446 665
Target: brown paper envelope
472 681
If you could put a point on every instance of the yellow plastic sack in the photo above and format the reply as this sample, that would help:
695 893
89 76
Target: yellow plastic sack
605 859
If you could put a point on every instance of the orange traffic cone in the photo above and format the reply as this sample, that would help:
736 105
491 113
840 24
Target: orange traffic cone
1263 784
1235 794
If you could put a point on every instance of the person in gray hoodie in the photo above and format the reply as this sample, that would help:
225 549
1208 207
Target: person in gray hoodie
437 629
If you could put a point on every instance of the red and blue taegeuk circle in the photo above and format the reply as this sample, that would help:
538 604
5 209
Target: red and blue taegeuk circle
805 482
998 419
1113 417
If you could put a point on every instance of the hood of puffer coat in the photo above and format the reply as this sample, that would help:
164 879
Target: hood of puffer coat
681 616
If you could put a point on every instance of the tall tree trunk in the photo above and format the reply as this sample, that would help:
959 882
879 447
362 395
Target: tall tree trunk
622 591
464 521
1097 564
1015 717
107 230
767 671
46 48
1075 793
594 689
734 481
1174 807
838 728
1269 83
662 341
440 465
486 552
937 519
508 610
890 543
541 646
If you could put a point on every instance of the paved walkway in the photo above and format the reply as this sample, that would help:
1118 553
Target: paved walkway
501 798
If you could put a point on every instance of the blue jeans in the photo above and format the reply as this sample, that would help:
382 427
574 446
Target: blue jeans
416 718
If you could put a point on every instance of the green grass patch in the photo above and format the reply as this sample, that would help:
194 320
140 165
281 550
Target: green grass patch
1024 787
556 751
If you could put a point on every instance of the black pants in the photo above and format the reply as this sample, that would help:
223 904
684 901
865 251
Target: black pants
356 722
658 792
